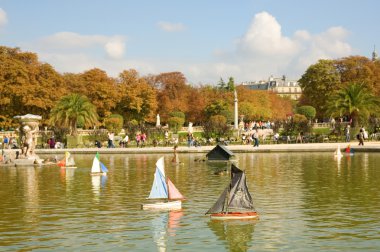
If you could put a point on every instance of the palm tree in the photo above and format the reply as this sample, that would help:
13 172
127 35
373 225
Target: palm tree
354 101
71 109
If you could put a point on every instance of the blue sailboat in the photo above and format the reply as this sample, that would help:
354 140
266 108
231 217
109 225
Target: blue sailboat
163 188
98 167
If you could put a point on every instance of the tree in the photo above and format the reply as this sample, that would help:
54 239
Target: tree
308 111
354 101
216 126
318 83
230 84
138 98
221 84
114 123
101 90
72 108
173 93
358 69
26 85
175 123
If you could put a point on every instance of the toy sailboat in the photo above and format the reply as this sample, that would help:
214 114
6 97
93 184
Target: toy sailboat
163 188
338 153
236 201
67 161
98 167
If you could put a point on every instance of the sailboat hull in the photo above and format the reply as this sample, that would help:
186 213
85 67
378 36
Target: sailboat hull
234 216
170 205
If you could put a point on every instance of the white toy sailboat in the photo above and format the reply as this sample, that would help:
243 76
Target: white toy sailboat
338 153
67 161
236 201
98 167
163 188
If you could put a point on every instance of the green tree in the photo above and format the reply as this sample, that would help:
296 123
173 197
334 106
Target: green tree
114 123
216 126
217 107
308 111
175 123
177 114
221 84
318 83
354 101
72 108
230 84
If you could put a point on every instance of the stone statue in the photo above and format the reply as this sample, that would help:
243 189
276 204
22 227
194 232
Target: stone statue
27 131
27 135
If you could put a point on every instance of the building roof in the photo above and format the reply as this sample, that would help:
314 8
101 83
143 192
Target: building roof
220 152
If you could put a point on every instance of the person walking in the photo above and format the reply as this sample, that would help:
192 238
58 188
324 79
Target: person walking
360 137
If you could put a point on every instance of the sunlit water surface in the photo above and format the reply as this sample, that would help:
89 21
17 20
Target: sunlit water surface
306 201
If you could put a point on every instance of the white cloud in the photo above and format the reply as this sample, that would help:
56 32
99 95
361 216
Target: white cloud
170 27
264 37
261 51
115 49
3 17
113 46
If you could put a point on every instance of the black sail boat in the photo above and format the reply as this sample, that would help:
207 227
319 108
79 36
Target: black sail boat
235 201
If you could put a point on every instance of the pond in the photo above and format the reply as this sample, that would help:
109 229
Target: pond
306 202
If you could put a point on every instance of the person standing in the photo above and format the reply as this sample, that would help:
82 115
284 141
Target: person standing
347 132
143 139
138 138
111 137
125 140
5 142
255 137
166 138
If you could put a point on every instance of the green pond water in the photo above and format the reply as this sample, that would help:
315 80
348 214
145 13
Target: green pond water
306 201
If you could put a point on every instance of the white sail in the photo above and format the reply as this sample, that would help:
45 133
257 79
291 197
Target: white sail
159 187
69 160
95 165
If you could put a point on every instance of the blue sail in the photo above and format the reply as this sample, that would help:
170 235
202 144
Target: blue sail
159 187
103 167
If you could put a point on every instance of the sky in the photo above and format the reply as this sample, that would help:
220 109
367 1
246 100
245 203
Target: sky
206 40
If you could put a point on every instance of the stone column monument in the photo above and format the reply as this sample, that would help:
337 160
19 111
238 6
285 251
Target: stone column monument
158 121
236 126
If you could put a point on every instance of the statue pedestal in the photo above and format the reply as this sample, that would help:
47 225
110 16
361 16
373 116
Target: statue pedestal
29 161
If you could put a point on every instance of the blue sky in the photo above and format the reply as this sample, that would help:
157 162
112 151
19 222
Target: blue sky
204 39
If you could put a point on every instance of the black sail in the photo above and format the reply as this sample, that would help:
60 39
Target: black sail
236 197
239 197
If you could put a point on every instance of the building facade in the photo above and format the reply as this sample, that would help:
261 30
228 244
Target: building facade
281 86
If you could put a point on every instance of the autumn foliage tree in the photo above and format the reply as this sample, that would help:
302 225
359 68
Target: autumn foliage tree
327 77
173 93
138 98
26 84
101 90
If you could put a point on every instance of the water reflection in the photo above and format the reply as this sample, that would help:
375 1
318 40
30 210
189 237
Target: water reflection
237 234
305 204
98 182
31 195
164 225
